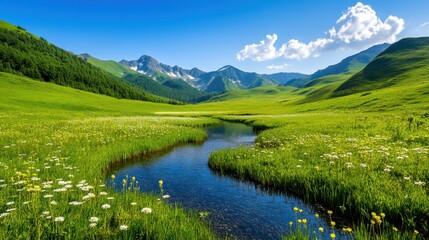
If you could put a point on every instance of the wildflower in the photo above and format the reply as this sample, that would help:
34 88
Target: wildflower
383 215
332 223
10 209
332 235
110 198
60 190
146 210
372 222
407 178
103 193
321 229
4 214
419 183
123 227
113 176
91 225
48 196
53 203
295 209
93 219
363 165
105 206
166 196
9 203
394 229
416 232
330 212
160 183
133 203
74 203
299 220
304 221
316 215
59 219
290 224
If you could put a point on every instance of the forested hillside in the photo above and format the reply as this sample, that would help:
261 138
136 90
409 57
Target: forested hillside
24 54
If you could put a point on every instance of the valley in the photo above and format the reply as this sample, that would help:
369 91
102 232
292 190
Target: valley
343 152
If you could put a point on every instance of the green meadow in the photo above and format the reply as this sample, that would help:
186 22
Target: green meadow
360 153
57 144
361 156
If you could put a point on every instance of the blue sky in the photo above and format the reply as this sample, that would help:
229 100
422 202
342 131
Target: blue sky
210 34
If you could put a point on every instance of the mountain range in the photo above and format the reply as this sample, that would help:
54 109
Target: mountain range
229 78
378 67
224 79
350 64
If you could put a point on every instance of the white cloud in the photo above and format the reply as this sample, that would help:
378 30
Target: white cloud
358 28
265 50
277 67
362 25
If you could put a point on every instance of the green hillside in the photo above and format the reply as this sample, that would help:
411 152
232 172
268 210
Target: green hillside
109 66
404 63
220 84
8 26
168 87
163 85
348 65
23 54
22 94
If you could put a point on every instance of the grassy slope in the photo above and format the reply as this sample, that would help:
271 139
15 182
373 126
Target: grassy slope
404 63
24 94
164 85
8 26
287 100
24 54
79 134
111 67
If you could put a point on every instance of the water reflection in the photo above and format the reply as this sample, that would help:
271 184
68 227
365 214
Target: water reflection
236 208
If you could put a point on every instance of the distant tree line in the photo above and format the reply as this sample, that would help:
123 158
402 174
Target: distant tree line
24 54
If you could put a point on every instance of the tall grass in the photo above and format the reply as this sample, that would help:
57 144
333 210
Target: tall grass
352 163
52 184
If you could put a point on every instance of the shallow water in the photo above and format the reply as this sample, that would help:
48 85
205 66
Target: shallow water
236 208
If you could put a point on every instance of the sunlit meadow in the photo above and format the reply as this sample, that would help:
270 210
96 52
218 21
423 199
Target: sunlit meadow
53 174
371 170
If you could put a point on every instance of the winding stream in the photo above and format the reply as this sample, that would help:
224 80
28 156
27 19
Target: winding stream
236 208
